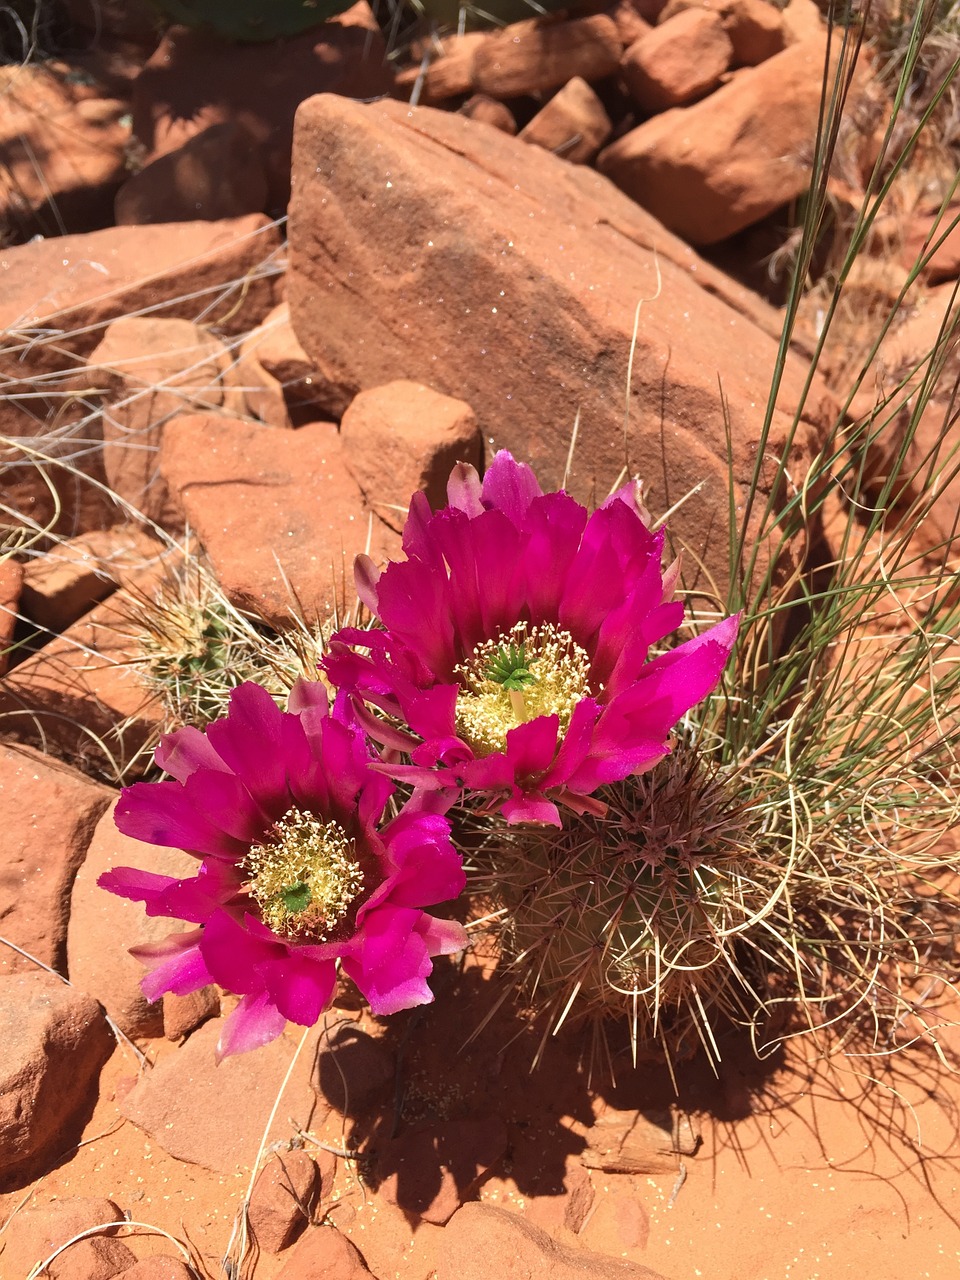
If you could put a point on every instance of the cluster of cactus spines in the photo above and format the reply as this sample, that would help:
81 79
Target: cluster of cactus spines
634 914
195 647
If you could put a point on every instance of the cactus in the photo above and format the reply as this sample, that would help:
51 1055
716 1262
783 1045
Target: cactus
252 20
635 913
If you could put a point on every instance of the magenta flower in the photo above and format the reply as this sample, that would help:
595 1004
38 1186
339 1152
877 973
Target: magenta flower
516 645
296 871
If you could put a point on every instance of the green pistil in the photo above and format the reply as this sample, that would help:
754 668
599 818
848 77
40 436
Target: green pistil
537 669
304 876
296 898
508 667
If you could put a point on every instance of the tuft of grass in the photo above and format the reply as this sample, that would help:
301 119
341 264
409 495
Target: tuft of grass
803 876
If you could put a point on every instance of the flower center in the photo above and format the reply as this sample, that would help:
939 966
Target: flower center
304 876
532 671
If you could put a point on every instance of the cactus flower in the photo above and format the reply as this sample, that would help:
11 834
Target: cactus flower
298 870
514 656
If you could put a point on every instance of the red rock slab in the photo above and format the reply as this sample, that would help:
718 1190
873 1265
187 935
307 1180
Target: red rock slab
56 298
278 513
72 576
711 169
42 1228
50 813
755 27
482 1240
323 1254
82 694
145 370
522 301
61 152
215 1115
158 1268
677 62
195 80
573 124
11 585
217 173
538 55
402 437
279 382
283 1200
71 287
55 1040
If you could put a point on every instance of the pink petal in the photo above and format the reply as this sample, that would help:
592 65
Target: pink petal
308 695
510 486
254 1022
185 751
464 490
175 963
300 987
366 575
234 957
428 868
166 813
524 807
393 965
532 746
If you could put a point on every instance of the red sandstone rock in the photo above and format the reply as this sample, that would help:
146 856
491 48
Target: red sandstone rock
323 1254
195 80
103 927
538 55
942 252
521 302
428 1172
619 1224
677 63
483 1240
40 1230
215 1115
630 24
55 1040
573 124
283 1199
354 1071
82 695
487 110
148 370
50 813
74 575
11 584
61 152
278 512
217 173
157 1268
802 20
716 167
447 76
567 1212
279 380
755 27
183 1014
57 296
402 437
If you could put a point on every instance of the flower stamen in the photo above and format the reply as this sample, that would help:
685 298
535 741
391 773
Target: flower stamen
304 876
531 671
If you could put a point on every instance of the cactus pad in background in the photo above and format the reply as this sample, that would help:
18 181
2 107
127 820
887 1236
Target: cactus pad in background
252 20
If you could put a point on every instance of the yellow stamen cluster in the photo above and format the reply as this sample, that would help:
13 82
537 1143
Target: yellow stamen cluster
304 876
528 672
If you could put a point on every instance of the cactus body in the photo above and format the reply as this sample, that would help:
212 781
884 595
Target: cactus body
252 20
